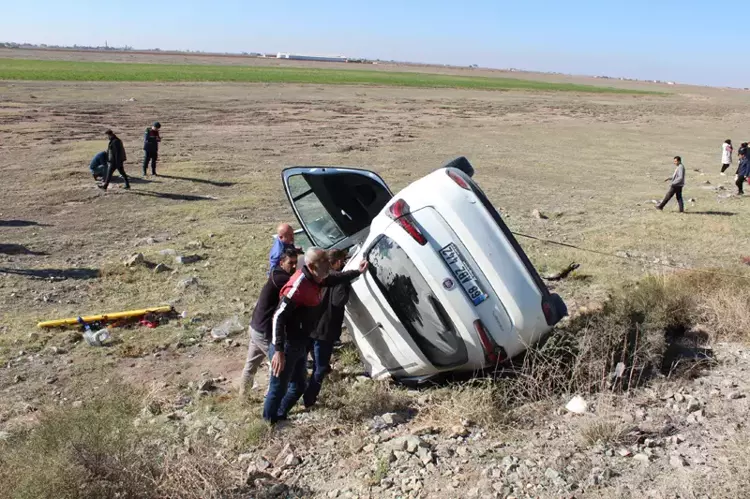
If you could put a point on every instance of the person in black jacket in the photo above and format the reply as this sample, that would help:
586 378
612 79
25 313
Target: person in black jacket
151 141
328 330
260 324
116 158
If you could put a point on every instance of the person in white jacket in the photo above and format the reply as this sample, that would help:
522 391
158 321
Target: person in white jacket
726 155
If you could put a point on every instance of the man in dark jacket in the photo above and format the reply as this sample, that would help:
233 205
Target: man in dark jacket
293 321
743 172
151 141
328 330
116 158
260 324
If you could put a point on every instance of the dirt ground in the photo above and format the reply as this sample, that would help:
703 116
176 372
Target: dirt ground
591 163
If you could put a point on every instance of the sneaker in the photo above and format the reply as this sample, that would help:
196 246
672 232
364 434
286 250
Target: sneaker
127 187
659 208
102 187
723 174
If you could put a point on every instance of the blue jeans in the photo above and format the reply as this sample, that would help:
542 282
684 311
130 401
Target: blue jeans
322 351
286 389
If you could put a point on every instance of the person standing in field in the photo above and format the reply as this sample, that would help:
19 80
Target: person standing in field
726 155
116 158
328 330
151 141
260 325
675 188
743 172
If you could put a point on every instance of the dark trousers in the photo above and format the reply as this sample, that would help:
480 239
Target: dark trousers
286 389
739 183
724 167
150 156
322 351
673 191
121 170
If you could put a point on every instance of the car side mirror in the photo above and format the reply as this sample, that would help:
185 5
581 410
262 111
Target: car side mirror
461 163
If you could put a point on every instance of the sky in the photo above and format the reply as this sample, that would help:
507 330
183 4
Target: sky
688 41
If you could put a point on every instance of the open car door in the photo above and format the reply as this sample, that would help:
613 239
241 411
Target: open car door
335 206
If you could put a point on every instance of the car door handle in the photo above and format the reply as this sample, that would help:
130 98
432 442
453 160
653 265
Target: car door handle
346 215
378 325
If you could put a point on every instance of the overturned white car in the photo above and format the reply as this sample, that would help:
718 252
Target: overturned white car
448 286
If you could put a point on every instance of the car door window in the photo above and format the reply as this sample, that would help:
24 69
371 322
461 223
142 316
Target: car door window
334 204
415 305
318 221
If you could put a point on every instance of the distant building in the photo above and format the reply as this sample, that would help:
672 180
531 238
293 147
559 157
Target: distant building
321 58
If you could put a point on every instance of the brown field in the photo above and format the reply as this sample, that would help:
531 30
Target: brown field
592 163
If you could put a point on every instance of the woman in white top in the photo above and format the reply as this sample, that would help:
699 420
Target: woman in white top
726 155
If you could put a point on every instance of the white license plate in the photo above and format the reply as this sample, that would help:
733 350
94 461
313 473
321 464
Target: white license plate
463 273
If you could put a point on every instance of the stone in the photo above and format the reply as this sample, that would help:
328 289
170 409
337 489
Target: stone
539 215
137 259
552 474
205 385
292 460
18 378
368 448
624 452
642 458
161 268
413 443
459 431
425 455
393 418
693 406
168 252
194 245
677 462
577 405
56 350
51 379
187 259
77 404
734 396
678 397
189 282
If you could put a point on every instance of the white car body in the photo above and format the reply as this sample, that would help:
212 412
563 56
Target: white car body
448 287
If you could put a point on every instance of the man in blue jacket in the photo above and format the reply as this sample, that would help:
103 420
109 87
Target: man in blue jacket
98 165
151 141
742 172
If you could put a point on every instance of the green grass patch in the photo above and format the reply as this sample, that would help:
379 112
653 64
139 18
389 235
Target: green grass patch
26 69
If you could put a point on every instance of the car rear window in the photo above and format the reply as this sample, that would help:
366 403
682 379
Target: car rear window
415 305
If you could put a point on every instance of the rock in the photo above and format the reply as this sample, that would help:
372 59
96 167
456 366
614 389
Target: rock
678 397
292 460
205 385
161 268
577 405
77 404
168 252
189 282
195 245
56 350
734 396
624 452
622 254
33 337
187 259
552 474
393 419
677 462
228 327
643 458
425 455
137 259
4 436
459 431
693 406
51 379
278 490
262 464
727 383
191 218
18 378
539 215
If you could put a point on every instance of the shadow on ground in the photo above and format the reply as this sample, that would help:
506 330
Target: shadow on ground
19 249
200 180
54 274
174 197
21 223
714 213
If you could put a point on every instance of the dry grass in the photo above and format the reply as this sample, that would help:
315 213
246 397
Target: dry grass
357 401
604 432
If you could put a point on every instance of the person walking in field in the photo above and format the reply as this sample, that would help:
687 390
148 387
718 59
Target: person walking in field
151 141
726 155
675 188
743 172
116 158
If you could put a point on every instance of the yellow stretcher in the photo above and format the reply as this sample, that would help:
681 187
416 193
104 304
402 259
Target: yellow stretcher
106 317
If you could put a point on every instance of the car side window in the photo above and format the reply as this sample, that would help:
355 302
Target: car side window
316 218
415 305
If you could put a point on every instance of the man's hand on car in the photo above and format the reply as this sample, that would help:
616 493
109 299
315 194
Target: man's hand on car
277 363
363 266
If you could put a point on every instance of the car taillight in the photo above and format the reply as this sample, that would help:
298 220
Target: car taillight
548 312
399 212
492 352
457 178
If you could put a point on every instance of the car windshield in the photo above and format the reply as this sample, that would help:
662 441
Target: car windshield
415 304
